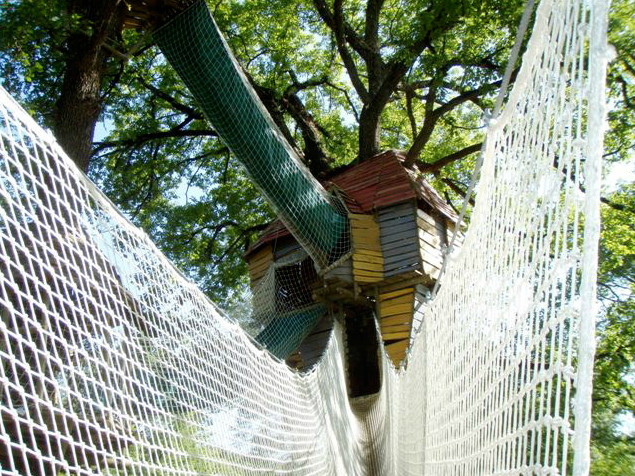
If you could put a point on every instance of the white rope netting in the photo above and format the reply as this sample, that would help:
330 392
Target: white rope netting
113 363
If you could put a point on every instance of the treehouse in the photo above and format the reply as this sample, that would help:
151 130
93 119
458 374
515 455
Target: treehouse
398 229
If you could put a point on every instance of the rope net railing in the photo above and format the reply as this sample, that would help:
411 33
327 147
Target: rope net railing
113 363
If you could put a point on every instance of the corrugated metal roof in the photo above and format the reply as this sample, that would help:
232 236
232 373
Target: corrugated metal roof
378 182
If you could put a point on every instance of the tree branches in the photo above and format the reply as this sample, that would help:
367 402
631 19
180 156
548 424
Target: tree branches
437 165
153 136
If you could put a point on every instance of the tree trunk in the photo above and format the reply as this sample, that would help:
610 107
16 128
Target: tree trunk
80 102
369 132
382 88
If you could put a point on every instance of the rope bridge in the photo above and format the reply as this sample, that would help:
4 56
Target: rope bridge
113 363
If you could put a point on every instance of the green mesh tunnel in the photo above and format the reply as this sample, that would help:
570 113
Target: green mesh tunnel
196 49
283 335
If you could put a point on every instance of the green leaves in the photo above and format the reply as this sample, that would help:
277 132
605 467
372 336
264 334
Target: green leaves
614 386
620 140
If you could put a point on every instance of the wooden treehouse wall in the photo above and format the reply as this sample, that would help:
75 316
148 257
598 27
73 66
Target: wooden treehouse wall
396 257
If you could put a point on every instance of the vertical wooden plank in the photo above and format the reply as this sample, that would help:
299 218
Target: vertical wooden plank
399 241
259 263
368 262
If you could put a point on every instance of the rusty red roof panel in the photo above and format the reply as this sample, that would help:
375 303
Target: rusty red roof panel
377 182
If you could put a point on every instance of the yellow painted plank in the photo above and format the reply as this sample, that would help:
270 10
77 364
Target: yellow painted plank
354 217
433 240
370 228
426 217
259 267
365 234
431 249
403 299
400 346
365 242
257 275
393 294
259 262
396 309
395 336
430 270
365 252
361 265
395 320
393 329
367 258
427 259
365 227
366 272
426 226
369 279
368 244
397 358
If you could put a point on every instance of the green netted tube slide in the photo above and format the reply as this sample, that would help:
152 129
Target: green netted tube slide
196 49
283 335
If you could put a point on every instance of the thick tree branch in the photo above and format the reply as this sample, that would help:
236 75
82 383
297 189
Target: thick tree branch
290 103
187 110
628 66
350 35
471 95
627 100
348 98
371 38
153 136
371 34
370 117
431 117
572 176
414 85
314 155
273 105
245 234
335 22
349 63
391 79
456 189
216 227
410 113
297 85
449 200
448 159
616 206
429 121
